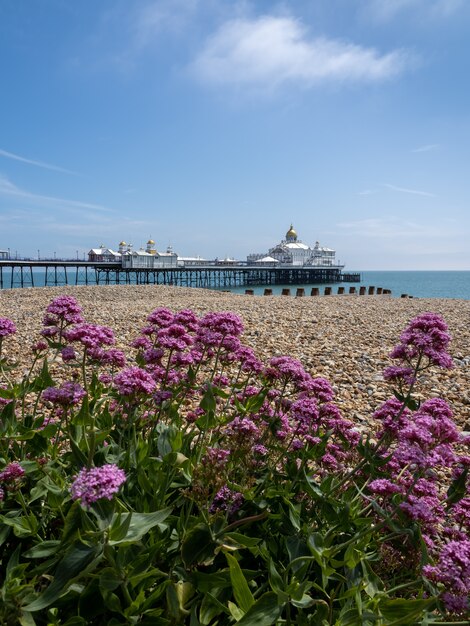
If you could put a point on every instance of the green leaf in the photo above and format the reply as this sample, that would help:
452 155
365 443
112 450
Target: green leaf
79 456
23 526
457 489
264 612
109 580
83 417
208 402
79 556
140 524
241 591
42 550
401 611
198 546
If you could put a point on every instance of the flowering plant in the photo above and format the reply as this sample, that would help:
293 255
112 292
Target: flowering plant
198 485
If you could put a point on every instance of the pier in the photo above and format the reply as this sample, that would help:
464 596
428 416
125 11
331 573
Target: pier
22 273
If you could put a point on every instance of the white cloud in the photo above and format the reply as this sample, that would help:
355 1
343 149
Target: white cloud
393 228
8 188
426 148
270 51
155 18
47 166
415 192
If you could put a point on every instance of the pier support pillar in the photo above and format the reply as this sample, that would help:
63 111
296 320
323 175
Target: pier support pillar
285 292
249 292
268 292
340 290
315 291
327 291
371 291
300 292
362 291
352 289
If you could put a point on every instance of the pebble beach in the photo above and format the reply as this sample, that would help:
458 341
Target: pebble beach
345 338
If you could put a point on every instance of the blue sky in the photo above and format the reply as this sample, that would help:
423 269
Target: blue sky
211 125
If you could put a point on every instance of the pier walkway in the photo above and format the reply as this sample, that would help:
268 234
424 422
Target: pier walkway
28 273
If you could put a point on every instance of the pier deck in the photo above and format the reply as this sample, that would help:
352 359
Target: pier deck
21 273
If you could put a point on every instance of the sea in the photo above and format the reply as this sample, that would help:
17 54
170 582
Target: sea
418 284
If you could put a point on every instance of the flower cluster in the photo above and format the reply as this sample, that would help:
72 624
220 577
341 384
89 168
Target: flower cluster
91 485
134 381
62 312
67 395
10 477
453 571
426 337
7 327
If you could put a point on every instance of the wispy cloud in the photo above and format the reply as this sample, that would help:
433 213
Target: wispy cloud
368 192
270 51
392 228
8 188
46 166
387 9
416 192
427 148
154 18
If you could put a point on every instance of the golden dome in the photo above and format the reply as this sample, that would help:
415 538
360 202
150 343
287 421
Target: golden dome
150 242
123 243
291 233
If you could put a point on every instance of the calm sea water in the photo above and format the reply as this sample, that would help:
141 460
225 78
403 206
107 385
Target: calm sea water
444 284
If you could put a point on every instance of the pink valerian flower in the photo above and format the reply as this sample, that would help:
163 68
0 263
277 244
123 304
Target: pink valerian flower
188 319
161 317
384 487
68 394
68 354
319 388
393 416
91 485
399 374
458 605
7 327
113 357
39 346
66 309
248 360
142 342
461 513
452 568
153 355
243 426
174 337
425 509
226 500
426 335
223 324
305 412
134 381
286 369
12 472
216 457
91 336
162 396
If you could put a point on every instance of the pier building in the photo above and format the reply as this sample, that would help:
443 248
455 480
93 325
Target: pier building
292 252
